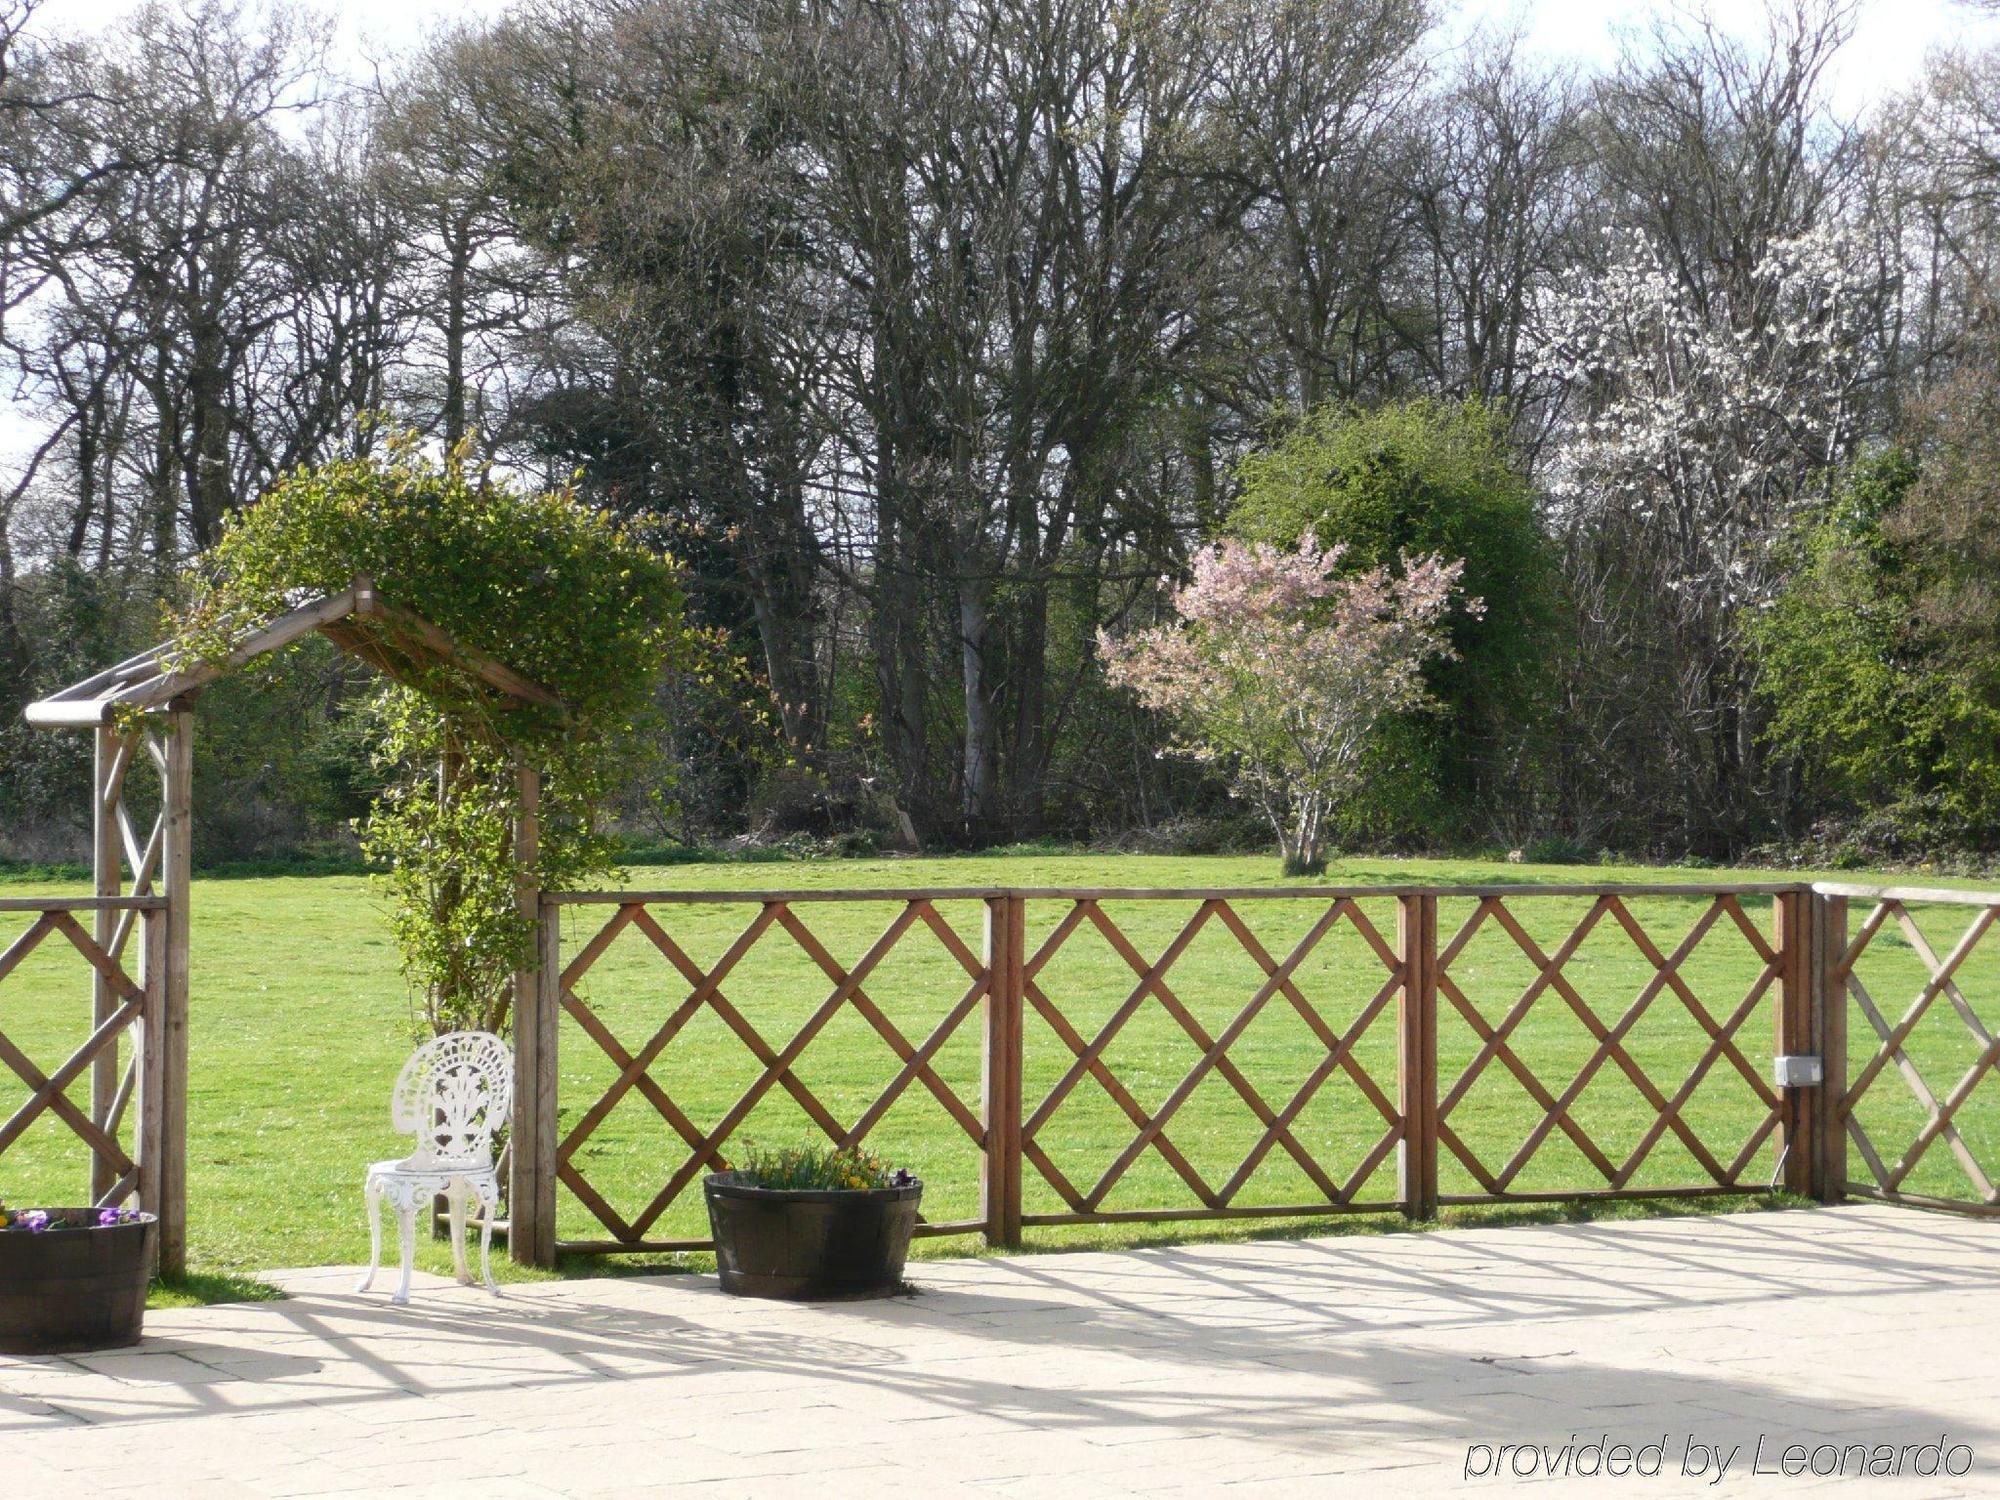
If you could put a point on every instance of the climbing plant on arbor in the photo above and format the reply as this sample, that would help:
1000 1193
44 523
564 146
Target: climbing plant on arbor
574 600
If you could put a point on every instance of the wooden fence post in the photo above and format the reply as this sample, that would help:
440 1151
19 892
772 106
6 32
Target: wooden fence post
1001 1080
1416 1054
1795 1036
531 1191
176 884
1829 991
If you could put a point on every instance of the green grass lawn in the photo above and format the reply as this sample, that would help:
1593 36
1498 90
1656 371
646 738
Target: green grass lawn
300 1021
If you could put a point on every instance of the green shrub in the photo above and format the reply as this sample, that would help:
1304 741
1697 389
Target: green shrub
1428 476
1879 661
1554 851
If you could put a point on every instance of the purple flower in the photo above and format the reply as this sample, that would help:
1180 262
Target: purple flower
106 1217
34 1220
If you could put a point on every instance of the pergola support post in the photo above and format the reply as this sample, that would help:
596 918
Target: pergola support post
107 866
125 864
176 884
151 1092
531 1211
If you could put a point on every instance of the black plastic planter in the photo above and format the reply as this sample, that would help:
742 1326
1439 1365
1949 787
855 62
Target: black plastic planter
66 1290
806 1243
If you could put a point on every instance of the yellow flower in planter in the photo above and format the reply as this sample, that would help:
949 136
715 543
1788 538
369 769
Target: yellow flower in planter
811 1166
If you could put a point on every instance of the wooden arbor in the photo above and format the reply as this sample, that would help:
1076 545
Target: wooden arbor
144 707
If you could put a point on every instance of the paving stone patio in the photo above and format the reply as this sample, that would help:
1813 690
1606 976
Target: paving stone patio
1354 1365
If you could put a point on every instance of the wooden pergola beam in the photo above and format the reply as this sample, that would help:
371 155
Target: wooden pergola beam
345 618
419 639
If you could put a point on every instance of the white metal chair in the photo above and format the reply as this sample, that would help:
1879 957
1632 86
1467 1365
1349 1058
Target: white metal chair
453 1095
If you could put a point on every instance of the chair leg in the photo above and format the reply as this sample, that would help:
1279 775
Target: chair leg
406 1230
372 1197
456 1198
486 1246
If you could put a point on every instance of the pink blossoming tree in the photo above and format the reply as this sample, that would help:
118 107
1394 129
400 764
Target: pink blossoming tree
1281 669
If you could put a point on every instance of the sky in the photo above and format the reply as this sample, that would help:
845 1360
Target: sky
1888 50
1891 37
366 28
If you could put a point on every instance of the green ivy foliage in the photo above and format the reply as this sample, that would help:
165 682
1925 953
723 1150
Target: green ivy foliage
577 601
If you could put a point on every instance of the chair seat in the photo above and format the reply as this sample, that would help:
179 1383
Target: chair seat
408 1185
416 1166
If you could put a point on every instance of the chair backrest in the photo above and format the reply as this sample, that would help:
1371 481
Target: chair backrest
453 1095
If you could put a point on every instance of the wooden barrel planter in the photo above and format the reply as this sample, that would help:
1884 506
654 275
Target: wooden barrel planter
74 1288
801 1244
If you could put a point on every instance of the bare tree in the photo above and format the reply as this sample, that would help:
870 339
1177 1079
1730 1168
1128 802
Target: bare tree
1715 147
469 283
1499 211
1316 95
646 161
226 316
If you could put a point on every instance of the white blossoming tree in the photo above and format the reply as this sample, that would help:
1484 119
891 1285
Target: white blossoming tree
1710 426
1698 426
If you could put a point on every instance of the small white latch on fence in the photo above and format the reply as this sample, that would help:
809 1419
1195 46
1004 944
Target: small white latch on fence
1794 1072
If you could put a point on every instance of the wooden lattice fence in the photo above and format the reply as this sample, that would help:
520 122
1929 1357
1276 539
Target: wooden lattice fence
1913 1084
777 1063
1725 1167
1064 1057
123 1020
1195 1063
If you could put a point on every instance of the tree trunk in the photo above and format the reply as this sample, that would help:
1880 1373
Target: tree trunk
1304 854
14 663
898 646
1028 678
86 484
166 491
786 606
457 275
208 485
980 767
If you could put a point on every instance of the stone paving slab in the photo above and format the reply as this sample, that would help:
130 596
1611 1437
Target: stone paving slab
1394 1364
